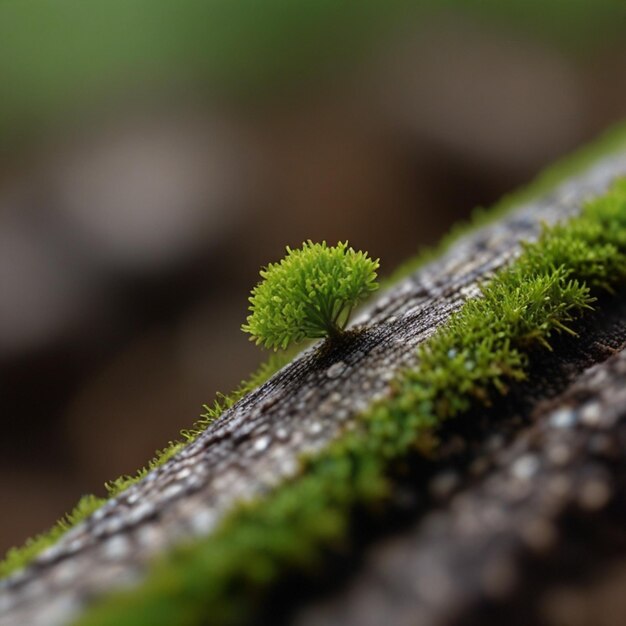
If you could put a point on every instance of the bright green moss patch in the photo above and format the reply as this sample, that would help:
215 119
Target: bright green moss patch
468 361
309 294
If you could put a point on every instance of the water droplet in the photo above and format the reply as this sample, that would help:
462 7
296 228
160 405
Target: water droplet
335 370
315 428
173 490
115 548
203 521
261 443
591 414
525 467
282 434
563 418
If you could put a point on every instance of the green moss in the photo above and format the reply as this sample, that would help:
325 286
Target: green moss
18 557
469 360
309 294
611 142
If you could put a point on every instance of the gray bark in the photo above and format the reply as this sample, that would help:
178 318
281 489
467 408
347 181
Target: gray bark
256 445
522 514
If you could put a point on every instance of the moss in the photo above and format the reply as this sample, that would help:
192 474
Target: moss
612 141
309 294
211 413
18 557
472 358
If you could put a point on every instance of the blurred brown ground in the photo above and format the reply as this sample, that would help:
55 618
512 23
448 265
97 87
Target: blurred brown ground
128 244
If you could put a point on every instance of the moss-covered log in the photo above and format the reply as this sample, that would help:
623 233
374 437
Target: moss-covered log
243 497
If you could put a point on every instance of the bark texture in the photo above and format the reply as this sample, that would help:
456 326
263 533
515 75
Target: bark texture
523 512
256 445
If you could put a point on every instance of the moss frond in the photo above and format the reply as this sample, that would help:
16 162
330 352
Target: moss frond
309 294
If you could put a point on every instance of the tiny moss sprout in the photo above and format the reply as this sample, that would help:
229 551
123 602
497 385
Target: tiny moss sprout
309 294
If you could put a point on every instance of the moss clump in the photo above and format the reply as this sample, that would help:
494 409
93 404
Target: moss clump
309 294
477 354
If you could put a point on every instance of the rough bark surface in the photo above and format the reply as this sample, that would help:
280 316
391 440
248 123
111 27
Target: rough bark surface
529 504
256 444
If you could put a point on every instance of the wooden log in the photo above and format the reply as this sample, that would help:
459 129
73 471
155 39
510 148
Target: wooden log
255 446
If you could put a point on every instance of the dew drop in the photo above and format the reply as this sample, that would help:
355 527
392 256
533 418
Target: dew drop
335 370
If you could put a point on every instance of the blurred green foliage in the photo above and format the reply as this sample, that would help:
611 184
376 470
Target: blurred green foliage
58 55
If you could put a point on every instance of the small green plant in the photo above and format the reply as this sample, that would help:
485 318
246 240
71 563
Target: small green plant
309 294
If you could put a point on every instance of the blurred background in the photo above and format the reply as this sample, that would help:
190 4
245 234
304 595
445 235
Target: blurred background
155 153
